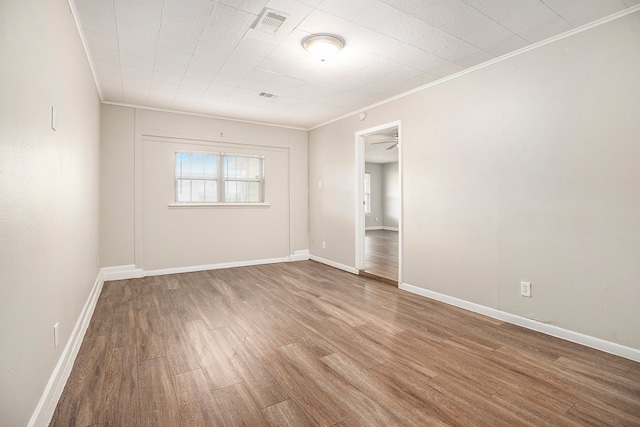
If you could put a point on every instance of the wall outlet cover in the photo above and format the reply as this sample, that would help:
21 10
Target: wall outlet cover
525 289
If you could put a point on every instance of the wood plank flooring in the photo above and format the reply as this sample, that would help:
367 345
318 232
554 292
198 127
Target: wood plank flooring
381 254
303 344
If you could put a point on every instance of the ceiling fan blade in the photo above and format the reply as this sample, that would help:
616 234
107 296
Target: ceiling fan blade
395 141
392 146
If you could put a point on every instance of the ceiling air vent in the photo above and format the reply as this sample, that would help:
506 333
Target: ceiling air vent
268 95
270 21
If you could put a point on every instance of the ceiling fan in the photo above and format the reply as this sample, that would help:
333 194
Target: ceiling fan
394 142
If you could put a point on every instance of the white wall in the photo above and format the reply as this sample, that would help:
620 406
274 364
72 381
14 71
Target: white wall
374 220
523 170
385 195
390 195
49 184
117 185
151 235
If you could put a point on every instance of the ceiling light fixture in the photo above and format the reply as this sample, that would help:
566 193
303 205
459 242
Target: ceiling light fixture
323 46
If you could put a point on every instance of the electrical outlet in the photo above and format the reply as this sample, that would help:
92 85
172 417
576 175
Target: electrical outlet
324 245
525 289
55 335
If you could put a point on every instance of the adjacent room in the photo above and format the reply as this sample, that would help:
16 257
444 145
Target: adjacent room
319 212
381 199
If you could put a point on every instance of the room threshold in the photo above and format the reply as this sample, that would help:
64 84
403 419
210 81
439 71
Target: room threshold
382 279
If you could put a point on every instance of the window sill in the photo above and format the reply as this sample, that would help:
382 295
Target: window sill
220 205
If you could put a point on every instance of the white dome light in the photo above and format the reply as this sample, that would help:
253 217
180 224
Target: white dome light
323 47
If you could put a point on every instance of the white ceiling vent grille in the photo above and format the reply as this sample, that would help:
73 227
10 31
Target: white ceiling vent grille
268 95
270 21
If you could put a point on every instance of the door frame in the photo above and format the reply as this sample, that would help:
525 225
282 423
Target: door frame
359 199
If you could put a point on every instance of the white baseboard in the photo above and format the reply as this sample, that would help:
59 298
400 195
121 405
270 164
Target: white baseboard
194 268
334 264
121 272
302 255
576 337
381 227
52 392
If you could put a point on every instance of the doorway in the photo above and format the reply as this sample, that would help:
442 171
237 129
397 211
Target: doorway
379 206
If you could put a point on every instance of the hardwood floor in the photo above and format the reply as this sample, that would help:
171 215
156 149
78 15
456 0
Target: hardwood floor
303 344
381 254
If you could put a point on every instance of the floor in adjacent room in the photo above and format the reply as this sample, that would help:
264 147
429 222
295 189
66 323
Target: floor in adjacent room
303 344
381 254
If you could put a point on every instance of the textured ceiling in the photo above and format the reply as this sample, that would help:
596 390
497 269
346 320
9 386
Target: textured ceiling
202 56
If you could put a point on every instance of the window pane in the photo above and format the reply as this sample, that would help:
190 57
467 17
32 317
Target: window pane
211 191
242 167
242 192
183 164
253 193
230 167
254 169
210 166
231 191
197 165
367 193
197 190
183 190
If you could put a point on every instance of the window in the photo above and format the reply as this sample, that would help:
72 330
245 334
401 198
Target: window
218 178
196 177
242 179
367 193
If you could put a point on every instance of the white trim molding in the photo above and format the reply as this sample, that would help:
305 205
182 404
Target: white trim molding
302 255
360 217
52 392
334 264
121 272
209 116
555 331
194 268
220 205
597 23
381 227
